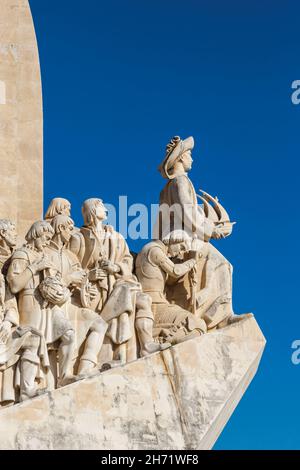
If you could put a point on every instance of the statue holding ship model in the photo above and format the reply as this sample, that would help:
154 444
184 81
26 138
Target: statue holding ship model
75 303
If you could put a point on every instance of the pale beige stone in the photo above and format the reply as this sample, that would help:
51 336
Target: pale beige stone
180 398
177 397
21 119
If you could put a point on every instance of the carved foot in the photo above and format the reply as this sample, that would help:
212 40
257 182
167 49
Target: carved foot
153 347
36 393
87 374
193 334
69 379
111 364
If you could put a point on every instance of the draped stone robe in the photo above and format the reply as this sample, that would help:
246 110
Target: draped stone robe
115 291
10 353
79 318
213 271
179 195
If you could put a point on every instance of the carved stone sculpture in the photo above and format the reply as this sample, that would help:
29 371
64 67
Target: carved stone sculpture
74 303
24 276
109 264
72 308
207 290
88 327
12 342
153 268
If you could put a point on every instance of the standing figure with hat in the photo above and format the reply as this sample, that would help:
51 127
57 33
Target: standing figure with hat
207 290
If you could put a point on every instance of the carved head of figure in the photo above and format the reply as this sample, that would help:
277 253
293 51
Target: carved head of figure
63 227
8 233
58 206
178 158
178 243
93 210
39 234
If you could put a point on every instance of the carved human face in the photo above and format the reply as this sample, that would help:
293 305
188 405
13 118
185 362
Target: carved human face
101 211
186 160
43 240
66 232
67 210
177 250
10 235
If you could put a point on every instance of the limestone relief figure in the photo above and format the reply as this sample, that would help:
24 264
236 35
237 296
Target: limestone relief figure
100 347
30 358
12 340
207 289
61 206
86 326
109 264
74 302
153 268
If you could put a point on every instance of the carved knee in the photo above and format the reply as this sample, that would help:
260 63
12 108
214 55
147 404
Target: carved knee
99 325
143 307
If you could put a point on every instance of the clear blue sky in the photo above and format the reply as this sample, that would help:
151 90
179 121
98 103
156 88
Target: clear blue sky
122 77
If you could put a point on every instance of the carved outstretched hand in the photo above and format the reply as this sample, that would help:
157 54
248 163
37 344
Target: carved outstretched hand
77 277
97 274
43 263
110 267
5 331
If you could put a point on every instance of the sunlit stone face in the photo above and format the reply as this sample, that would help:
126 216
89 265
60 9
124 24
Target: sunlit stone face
2 92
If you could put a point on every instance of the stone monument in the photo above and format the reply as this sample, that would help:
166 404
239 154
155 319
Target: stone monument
101 349
21 117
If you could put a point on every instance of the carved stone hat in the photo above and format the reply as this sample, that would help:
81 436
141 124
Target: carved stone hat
175 148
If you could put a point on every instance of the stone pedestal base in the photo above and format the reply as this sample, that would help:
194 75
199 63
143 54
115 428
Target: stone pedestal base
177 399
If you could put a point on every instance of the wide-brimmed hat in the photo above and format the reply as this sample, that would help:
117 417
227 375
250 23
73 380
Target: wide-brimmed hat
175 148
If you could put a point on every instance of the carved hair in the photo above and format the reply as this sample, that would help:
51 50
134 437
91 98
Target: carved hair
177 236
56 207
89 210
6 224
63 220
37 229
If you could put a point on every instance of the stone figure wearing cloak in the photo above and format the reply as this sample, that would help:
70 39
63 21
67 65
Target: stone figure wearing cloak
154 268
10 342
61 206
89 328
25 274
23 277
109 264
207 290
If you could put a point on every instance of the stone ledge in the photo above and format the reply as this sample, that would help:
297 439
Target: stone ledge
180 398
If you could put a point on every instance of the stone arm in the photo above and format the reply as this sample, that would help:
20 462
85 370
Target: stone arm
11 313
76 274
125 261
77 244
193 216
19 273
175 271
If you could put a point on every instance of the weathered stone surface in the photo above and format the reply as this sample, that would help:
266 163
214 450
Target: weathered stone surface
180 398
21 117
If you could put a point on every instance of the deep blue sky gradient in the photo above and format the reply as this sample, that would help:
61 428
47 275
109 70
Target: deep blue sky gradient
122 77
